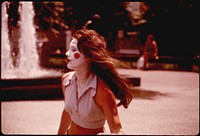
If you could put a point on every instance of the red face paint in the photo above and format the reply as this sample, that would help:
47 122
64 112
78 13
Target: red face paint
76 55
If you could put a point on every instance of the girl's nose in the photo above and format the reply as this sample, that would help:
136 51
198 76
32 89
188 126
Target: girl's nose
67 53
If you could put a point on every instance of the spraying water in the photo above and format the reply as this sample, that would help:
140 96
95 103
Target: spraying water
6 61
29 58
29 61
27 42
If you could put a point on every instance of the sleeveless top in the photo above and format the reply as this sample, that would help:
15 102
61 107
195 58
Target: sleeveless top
83 109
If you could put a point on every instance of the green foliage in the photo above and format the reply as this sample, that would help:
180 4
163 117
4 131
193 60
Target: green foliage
50 16
57 62
57 16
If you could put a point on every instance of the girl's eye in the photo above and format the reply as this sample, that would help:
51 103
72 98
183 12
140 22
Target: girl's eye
73 49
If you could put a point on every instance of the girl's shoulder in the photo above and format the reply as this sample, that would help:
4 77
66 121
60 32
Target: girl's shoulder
67 77
101 83
104 93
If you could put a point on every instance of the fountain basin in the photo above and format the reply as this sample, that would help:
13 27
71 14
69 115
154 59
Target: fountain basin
31 89
39 88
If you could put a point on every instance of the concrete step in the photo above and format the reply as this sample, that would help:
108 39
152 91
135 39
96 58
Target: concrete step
41 88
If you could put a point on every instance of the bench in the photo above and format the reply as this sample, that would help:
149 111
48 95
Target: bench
175 60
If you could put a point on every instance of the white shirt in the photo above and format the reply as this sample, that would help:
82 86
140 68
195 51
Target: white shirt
83 109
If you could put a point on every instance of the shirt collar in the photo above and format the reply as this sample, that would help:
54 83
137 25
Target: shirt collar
69 79
90 83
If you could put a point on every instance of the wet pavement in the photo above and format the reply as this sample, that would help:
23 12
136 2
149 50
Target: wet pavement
166 103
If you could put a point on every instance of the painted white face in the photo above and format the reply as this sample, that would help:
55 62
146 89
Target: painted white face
75 57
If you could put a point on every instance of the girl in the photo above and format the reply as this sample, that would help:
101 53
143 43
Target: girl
92 88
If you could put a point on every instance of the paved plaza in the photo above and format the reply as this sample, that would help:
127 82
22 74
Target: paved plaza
166 103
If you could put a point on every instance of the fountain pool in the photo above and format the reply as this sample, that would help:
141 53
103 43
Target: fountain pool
26 80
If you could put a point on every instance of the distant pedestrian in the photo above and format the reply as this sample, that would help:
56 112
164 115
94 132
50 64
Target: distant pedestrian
92 88
150 52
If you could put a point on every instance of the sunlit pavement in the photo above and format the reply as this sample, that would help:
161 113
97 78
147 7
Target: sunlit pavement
166 103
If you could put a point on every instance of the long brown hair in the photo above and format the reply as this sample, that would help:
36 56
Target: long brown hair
92 45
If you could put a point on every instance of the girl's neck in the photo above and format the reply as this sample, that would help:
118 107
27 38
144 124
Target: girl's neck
83 73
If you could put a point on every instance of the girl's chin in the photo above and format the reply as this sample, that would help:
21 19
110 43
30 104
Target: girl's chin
70 66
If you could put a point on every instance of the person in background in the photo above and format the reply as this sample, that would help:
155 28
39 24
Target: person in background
93 89
150 50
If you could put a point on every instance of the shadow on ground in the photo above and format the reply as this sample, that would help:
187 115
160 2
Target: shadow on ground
140 93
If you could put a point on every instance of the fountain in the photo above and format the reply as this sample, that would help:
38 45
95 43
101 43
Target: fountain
6 63
27 75
27 80
28 60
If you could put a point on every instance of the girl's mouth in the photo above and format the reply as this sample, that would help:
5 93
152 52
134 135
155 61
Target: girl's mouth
68 60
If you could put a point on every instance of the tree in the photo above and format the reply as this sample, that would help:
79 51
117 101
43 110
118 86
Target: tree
173 25
73 14
48 16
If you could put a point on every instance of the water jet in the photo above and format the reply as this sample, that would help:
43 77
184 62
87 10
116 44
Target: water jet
27 79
